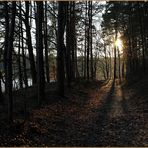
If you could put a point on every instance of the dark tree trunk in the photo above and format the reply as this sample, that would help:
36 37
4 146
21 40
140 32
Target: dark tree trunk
106 63
19 50
68 46
29 43
6 41
123 75
115 62
91 53
9 64
40 62
88 44
85 51
45 44
119 73
142 37
115 50
60 45
73 41
110 63
24 58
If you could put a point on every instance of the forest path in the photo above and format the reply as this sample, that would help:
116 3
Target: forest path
123 125
107 126
115 128
92 115
117 106
100 124
103 117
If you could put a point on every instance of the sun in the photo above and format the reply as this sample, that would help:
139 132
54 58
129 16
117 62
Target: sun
118 44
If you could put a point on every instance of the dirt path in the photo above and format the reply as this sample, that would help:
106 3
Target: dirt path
116 109
112 124
92 116
123 124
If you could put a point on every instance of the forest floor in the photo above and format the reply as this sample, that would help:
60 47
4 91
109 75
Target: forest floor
92 114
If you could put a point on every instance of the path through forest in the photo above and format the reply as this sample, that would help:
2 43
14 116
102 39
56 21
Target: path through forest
114 123
91 116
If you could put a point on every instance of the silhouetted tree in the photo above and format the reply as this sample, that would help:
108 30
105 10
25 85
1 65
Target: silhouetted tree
61 47
40 61
9 62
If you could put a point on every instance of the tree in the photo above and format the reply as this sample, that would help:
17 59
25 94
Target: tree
19 50
6 41
9 63
45 43
29 43
61 47
40 61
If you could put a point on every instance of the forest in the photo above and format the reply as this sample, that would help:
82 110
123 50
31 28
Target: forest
73 73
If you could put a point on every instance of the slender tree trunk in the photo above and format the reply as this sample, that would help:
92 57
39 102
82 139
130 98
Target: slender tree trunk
24 58
60 45
119 74
40 62
91 53
88 55
68 46
45 44
9 64
115 50
116 35
88 43
115 62
6 42
73 41
95 67
142 38
110 64
29 43
85 52
106 63
19 51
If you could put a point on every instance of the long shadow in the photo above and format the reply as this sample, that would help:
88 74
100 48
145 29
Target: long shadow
124 103
100 122
123 129
103 111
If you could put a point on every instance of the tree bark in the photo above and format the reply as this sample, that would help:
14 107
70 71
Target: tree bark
19 50
9 64
29 43
60 45
40 62
91 40
6 42
46 45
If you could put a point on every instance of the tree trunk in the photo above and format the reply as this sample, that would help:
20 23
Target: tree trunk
24 58
60 45
45 44
9 64
6 42
91 53
19 50
119 73
40 62
115 62
85 51
106 63
29 43
142 38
